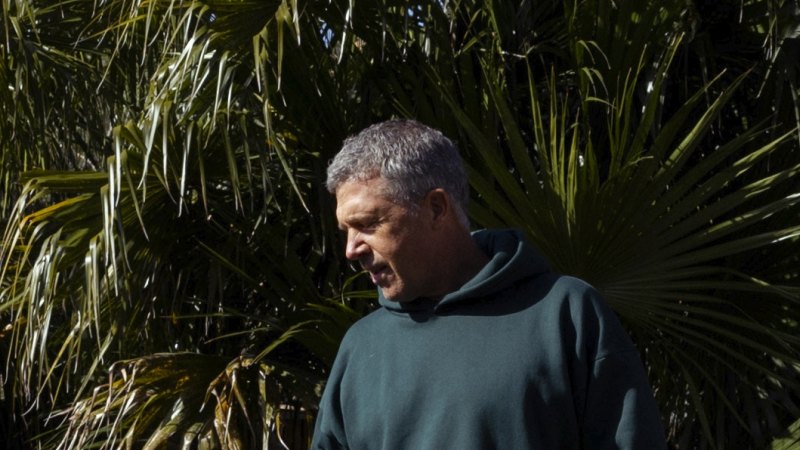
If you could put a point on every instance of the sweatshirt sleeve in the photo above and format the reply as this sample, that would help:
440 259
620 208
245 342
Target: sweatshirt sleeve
329 433
620 411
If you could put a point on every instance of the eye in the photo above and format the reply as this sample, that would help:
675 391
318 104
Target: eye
368 225
361 224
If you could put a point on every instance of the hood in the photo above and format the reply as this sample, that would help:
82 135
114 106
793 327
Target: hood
511 259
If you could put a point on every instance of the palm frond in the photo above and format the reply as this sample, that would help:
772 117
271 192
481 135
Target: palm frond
657 234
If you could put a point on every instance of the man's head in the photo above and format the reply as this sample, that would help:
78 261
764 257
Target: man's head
411 157
401 196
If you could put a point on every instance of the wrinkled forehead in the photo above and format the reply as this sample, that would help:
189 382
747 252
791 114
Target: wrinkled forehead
359 199
378 184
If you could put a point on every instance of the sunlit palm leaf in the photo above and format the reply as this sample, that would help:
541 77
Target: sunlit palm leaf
179 400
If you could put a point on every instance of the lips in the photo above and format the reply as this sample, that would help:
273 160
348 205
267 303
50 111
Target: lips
378 273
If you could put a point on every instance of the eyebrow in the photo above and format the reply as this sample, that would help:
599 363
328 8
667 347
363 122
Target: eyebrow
357 217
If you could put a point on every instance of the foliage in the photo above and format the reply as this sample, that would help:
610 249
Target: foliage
170 272
791 442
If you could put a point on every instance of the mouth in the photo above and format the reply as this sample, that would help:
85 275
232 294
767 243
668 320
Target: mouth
378 273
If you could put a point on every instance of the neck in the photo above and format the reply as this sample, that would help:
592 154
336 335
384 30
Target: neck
467 259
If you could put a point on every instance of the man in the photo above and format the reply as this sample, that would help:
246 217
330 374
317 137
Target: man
477 344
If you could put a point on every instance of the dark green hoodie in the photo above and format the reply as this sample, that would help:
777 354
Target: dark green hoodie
518 358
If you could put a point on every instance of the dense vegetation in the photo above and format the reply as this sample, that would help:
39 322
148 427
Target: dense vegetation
170 273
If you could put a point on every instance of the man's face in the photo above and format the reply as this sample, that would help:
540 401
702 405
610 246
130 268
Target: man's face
389 240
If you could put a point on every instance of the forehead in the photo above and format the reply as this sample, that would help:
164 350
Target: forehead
361 198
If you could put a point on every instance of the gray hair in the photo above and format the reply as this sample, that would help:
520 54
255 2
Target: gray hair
413 158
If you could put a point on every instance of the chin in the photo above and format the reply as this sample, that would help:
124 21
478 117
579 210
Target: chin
393 298
397 297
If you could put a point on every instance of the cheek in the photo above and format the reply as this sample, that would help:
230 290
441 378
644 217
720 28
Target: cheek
411 259
404 248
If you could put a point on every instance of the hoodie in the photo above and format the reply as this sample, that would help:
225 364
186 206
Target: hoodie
517 358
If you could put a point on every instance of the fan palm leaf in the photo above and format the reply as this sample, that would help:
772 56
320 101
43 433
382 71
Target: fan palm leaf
655 235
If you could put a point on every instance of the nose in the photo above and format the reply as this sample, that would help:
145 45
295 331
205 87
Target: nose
356 247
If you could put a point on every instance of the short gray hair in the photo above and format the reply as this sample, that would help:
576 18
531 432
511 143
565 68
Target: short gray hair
413 158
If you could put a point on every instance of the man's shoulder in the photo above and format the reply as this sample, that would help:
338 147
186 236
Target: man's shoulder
557 293
574 286
555 286
369 324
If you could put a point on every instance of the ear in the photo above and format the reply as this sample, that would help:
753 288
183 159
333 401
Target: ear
438 204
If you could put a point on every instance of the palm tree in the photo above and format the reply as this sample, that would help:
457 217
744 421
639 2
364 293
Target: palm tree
662 205
171 271
193 231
